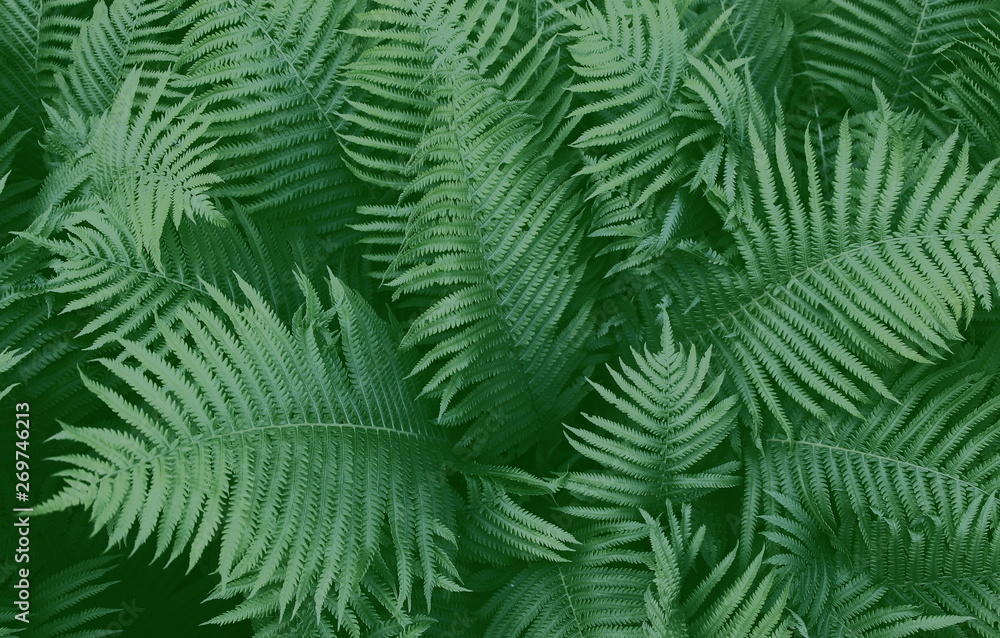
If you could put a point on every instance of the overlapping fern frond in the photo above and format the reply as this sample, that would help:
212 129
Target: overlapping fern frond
267 74
777 221
835 286
63 603
506 334
908 493
243 394
894 43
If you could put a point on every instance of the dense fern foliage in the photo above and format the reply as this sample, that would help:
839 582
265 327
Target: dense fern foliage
503 318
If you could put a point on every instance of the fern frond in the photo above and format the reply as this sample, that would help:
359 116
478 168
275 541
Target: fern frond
971 91
152 165
675 416
723 604
925 454
59 603
268 437
498 528
115 39
35 40
266 73
631 62
916 478
833 591
101 269
392 99
490 223
599 593
837 286
376 609
894 43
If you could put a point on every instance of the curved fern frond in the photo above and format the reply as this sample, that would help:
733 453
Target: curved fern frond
831 593
501 245
35 40
917 479
925 454
498 528
971 92
886 267
152 165
631 62
101 269
675 416
267 74
126 35
598 594
268 437
894 43
376 609
758 33
392 99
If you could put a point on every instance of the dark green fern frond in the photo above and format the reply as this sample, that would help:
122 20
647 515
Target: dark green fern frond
267 75
674 417
926 454
315 408
13 191
35 40
598 594
116 39
59 603
758 33
392 98
894 43
631 63
501 245
830 589
8 359
971 91
916 479
498 528
725 603
375 610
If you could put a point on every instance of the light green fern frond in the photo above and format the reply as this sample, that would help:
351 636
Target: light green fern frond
314 407
152 164
674 417
888 266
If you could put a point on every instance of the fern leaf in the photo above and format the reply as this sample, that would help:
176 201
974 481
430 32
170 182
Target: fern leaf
675 417
245 397
837 286
501 246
